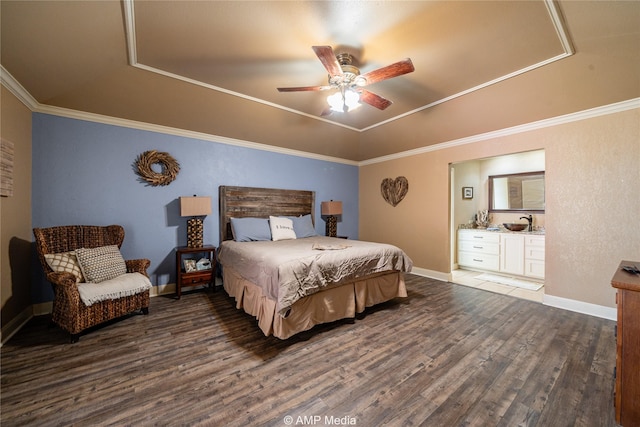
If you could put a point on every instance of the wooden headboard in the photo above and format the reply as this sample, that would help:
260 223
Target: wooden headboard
242 202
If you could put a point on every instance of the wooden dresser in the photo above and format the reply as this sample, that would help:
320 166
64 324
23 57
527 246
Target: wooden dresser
627 392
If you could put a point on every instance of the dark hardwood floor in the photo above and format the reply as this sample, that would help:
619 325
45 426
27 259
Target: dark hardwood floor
447 355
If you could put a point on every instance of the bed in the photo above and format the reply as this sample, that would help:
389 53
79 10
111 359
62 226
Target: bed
292 284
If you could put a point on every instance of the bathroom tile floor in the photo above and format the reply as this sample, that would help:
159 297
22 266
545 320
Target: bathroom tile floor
469 278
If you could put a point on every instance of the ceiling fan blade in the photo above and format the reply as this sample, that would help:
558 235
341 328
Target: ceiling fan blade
303 88
374 100
396 69
328 58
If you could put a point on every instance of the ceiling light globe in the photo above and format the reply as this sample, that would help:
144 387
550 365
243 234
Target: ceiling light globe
351 100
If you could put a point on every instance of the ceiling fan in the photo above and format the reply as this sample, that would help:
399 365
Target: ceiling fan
346 77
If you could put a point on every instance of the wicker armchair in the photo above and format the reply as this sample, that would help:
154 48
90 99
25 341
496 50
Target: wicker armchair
69 312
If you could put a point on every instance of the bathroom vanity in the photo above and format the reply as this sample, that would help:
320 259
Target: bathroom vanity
514 253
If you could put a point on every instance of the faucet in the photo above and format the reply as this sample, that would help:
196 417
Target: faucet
530 219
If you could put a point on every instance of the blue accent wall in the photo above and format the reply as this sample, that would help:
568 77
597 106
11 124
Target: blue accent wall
83 173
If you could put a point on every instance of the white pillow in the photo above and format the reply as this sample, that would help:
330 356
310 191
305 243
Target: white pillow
281 228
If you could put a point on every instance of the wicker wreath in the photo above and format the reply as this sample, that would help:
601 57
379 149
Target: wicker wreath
169 165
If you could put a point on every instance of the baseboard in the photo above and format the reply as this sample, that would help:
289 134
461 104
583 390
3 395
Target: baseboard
432 274
581 307
550 300
43 308
15 324
169 288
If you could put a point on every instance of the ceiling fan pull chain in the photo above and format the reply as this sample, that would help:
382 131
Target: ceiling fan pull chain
345 108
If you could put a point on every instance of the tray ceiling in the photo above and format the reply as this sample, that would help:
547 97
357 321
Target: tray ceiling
210 69
247 49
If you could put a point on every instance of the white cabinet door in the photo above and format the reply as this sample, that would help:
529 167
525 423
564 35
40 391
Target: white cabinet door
512 254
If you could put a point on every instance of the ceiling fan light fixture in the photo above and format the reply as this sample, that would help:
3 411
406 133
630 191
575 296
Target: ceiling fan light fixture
344 75
360 81
351 101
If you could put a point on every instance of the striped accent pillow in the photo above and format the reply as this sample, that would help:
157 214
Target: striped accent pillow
100 264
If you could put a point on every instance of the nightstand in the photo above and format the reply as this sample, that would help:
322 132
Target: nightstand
195 267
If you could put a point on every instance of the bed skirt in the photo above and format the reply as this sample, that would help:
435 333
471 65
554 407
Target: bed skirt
329 305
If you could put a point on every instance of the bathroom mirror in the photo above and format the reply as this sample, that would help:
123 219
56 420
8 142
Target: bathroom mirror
518 192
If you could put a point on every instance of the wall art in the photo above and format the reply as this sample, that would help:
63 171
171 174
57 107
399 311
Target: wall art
394 190
6 168
169 167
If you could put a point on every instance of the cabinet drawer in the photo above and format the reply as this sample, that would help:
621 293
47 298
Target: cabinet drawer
479 236
534 248
482 261
479 247
196 278
534 241
534 253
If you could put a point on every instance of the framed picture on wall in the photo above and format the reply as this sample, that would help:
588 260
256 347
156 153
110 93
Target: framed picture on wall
467 192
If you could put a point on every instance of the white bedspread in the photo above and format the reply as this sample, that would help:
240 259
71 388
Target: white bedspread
288 270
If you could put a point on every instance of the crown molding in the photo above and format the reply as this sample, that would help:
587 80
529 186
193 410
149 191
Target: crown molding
166 130
13 86
25 97
545 123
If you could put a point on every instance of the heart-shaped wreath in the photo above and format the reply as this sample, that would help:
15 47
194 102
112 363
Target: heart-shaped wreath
394 190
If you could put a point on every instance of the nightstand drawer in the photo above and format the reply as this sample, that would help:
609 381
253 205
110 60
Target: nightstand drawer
190 279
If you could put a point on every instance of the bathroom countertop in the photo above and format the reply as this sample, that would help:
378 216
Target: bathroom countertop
504 230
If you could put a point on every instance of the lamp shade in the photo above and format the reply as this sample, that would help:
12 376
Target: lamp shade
195 206
331 208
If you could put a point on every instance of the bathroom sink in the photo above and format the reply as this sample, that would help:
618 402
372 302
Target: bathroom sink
515 227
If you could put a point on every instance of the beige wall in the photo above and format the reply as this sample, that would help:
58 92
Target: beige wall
15 215
591 220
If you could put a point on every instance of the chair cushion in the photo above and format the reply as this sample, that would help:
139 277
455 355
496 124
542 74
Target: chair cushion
65 262
100 264
119 287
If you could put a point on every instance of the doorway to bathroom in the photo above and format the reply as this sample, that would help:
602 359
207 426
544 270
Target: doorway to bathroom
469 200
